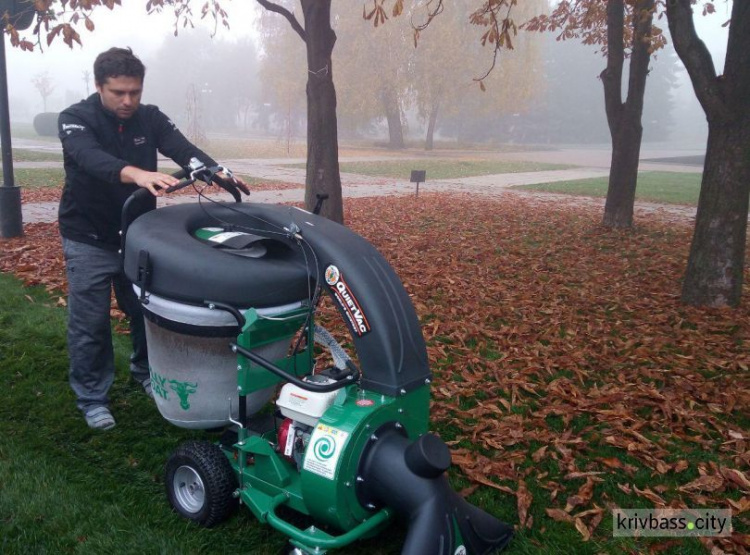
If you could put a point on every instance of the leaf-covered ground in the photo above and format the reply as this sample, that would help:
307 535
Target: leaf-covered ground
567 374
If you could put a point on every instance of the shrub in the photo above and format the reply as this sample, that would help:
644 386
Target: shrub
45 124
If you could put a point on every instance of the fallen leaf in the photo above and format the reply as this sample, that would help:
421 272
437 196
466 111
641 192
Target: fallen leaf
681 466
539 454
735 476
704 483
559 515
524 499
651 496
582 529
741 505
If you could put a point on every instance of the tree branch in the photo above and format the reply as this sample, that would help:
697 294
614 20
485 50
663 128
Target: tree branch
432 13
612 75
696 57
643 17
271 7
738 52
499 32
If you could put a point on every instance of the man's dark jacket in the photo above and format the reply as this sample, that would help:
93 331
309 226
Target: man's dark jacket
96 147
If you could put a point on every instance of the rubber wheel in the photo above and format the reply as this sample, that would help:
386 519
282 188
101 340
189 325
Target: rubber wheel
200 483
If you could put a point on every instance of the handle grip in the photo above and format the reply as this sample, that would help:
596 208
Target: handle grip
351 377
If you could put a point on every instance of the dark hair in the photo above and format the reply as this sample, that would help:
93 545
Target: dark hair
116 62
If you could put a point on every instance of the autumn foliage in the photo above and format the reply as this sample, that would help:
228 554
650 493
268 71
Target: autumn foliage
567 373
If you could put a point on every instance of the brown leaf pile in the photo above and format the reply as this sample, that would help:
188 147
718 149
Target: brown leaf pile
563 360
40 194
36 258
553 339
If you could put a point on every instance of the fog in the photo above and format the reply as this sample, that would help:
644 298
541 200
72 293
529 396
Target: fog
125 26
219 83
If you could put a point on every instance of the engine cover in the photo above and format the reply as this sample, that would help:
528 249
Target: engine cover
305 406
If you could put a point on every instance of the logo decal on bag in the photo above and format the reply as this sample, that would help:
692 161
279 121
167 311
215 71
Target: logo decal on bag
349 304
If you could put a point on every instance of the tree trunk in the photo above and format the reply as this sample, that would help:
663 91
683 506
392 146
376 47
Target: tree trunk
716 263
323 175
624 118
623 171
393 115
717 253
431 125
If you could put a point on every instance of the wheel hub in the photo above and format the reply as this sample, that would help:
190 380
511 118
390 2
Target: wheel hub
189 490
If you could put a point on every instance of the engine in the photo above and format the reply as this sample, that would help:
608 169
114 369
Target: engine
301 410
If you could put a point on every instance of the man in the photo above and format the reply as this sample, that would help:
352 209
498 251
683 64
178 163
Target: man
110 142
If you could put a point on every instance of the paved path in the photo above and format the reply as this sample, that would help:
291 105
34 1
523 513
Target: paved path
353 186
592 163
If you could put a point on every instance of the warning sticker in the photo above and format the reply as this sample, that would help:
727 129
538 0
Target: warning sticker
226 236
324 450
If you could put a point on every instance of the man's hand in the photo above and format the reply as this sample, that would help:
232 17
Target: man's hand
153 181
236 181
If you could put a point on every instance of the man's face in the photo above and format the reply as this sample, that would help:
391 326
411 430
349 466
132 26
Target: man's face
121 95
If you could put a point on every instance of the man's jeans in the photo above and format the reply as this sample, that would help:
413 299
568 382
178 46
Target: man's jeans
92 272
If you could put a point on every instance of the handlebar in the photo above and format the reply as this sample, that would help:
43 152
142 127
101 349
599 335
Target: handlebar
200 172
351 376
141 201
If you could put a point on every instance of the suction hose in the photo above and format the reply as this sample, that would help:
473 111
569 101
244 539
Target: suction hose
339 355
409 477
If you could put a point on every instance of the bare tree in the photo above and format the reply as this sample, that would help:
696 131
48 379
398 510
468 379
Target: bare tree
194 130
44 86
86 79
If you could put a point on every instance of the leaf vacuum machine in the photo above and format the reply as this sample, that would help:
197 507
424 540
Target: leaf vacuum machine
229 292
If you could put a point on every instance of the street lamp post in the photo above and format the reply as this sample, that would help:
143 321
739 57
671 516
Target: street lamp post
20 14
11 221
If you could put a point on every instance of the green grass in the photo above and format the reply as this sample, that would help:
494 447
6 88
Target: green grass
38 178
26 131
65 488
663 187
251 181
26 155
441 169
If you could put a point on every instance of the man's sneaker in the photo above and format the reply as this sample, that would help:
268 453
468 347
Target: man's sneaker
100 418
147 387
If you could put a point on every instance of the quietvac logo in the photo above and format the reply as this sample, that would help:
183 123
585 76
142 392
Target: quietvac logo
347 301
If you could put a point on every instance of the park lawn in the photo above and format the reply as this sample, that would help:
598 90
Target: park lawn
441 169
38 178
39 184
561 390
26 131
228 148
26 155
663 187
